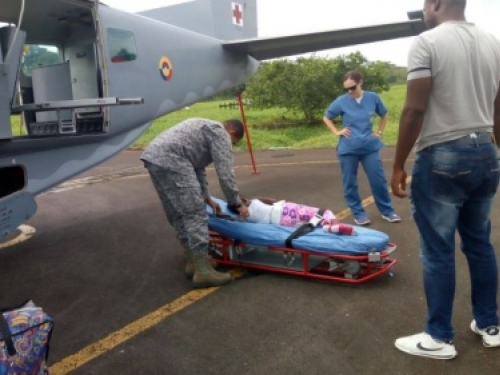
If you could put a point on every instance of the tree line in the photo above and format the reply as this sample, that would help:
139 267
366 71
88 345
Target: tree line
307 85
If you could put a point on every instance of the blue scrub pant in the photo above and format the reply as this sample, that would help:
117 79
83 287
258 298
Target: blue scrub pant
372 164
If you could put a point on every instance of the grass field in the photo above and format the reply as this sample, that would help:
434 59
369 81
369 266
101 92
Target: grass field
298 137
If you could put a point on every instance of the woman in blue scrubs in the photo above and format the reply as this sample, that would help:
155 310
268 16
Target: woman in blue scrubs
358 143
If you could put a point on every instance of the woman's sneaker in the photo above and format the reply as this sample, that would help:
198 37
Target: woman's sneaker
392 218
490 335
422 344
362 220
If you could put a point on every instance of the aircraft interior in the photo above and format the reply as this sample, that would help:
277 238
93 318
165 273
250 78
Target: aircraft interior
54 59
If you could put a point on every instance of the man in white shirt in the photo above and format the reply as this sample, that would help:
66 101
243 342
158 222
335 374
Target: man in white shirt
452 109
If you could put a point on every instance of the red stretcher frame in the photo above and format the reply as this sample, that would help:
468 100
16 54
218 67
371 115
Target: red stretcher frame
370 269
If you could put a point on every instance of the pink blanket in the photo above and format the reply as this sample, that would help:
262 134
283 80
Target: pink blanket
294 214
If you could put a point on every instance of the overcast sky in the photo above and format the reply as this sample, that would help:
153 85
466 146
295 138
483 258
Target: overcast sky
278 17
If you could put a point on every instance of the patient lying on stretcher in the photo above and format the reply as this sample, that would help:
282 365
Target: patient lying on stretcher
290 214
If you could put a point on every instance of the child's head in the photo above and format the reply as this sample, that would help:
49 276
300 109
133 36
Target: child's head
244 201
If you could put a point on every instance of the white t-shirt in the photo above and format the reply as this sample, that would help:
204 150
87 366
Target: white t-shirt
259 212
464 63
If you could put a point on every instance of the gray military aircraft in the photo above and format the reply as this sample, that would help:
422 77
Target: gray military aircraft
86 80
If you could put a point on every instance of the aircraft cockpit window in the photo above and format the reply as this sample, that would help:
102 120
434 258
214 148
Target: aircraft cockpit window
121 45
39 55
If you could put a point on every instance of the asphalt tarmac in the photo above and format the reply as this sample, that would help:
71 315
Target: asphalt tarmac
104 257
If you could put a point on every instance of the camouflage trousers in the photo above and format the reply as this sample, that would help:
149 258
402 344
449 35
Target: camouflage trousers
184 206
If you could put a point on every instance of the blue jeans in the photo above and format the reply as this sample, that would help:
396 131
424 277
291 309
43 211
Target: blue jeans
453 188
372 164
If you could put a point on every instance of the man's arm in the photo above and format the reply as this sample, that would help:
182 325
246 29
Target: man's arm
417 97
496 119
418 92
222 156
202 178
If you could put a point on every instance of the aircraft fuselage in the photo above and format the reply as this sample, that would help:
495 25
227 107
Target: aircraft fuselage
156 67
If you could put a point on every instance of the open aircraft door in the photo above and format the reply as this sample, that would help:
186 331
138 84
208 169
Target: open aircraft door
53 82
66 94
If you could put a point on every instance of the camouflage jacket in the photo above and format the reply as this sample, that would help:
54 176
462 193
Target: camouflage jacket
194 144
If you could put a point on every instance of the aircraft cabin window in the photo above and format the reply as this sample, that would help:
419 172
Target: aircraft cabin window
39 55
121 45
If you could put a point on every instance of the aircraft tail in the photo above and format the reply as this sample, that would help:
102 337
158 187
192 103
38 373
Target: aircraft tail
226 20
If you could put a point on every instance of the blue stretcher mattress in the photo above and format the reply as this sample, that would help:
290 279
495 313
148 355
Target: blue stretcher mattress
366 240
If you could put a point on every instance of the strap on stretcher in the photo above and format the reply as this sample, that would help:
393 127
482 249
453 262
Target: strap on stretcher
305 228
225 217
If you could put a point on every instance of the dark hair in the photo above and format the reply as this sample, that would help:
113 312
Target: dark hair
354 75
233 209
237 126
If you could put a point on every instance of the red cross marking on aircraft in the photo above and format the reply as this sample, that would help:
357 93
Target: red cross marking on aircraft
237 13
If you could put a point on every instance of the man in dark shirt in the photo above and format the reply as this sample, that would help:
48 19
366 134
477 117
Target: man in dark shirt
176 161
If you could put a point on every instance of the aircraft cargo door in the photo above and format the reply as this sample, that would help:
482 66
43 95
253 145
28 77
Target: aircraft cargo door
84 78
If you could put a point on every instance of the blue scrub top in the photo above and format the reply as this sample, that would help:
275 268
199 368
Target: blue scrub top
358 118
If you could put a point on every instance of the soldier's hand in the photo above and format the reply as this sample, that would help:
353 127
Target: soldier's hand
215 206
243 210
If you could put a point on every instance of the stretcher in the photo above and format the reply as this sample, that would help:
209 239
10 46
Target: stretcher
315 254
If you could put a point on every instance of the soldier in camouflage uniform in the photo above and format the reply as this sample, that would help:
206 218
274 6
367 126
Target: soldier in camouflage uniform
176 161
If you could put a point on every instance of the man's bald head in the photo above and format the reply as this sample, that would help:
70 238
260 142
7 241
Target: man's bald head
461 4
438 11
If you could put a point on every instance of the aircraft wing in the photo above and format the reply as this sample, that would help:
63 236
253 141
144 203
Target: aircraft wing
274 47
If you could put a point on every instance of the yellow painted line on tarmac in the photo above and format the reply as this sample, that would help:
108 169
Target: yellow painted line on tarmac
116 338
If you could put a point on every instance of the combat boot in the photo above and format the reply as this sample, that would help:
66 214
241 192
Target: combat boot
204 275
189 269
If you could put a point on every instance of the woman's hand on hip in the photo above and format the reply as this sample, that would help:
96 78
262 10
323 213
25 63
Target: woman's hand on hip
346 132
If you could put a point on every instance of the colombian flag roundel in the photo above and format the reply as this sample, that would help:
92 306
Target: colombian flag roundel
166 70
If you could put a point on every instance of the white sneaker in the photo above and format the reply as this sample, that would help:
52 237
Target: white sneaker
490 335
424 345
